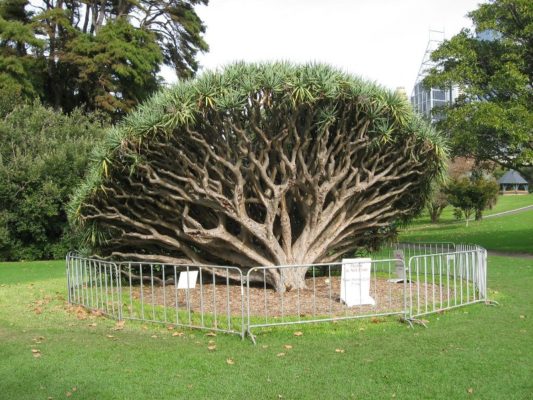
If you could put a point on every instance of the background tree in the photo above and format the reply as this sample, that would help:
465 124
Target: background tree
472 196
18 68
43 155
437 202
493 66
100 54
259 165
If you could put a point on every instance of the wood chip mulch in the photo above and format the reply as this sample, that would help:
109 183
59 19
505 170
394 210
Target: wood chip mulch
321 298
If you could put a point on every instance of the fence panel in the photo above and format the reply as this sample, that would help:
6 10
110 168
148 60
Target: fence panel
335 291
95 285
437 282
194 296
203 297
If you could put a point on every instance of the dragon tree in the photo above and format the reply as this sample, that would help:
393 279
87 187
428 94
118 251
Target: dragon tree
259 164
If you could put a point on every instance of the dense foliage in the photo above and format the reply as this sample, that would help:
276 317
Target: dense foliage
471 196
493 66
103 55
43 155
266 164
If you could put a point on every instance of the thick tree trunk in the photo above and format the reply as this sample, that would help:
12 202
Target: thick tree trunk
291 278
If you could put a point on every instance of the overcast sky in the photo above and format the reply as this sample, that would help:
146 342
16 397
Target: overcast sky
381 40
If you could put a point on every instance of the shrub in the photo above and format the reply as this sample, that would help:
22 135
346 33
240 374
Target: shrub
43 155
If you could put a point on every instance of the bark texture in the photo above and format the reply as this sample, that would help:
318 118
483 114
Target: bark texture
246 173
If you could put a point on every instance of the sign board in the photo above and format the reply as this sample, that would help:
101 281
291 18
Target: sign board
187 280
400 268
355 282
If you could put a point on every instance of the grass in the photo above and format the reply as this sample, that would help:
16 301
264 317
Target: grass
504 203
461 350
512 233
478 351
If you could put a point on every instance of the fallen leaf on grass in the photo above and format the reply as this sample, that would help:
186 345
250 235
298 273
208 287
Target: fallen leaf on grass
36 353
280 354
119 325
522 317
339 350
288 346
68 394
230 361
210 334
178 334
212 347
38 310
38 339
92 325
74 388
110 336
470 390
170 328
298 333
265 346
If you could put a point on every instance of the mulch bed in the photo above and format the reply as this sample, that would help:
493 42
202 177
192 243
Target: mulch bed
321 298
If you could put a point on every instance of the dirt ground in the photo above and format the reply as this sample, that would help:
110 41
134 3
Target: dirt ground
321 298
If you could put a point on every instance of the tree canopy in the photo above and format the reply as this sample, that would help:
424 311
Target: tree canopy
472 195
99 54
493 66
265 164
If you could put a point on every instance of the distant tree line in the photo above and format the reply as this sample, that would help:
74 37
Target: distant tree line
68 70
97 54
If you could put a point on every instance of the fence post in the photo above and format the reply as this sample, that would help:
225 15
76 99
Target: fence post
67 260
406 275
119 291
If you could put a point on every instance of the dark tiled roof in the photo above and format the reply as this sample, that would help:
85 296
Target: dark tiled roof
512 176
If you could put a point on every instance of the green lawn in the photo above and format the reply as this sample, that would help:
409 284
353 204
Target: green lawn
51 350
486 349
512 233
504 203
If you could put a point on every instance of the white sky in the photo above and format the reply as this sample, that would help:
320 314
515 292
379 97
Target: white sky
381 40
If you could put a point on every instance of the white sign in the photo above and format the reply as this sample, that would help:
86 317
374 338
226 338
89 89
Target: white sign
355 282
187 280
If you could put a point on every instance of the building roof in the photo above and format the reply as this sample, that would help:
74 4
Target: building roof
512 176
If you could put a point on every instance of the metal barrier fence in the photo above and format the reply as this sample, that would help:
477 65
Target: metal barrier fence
438 282
192 296
355 288
95 285
409 280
